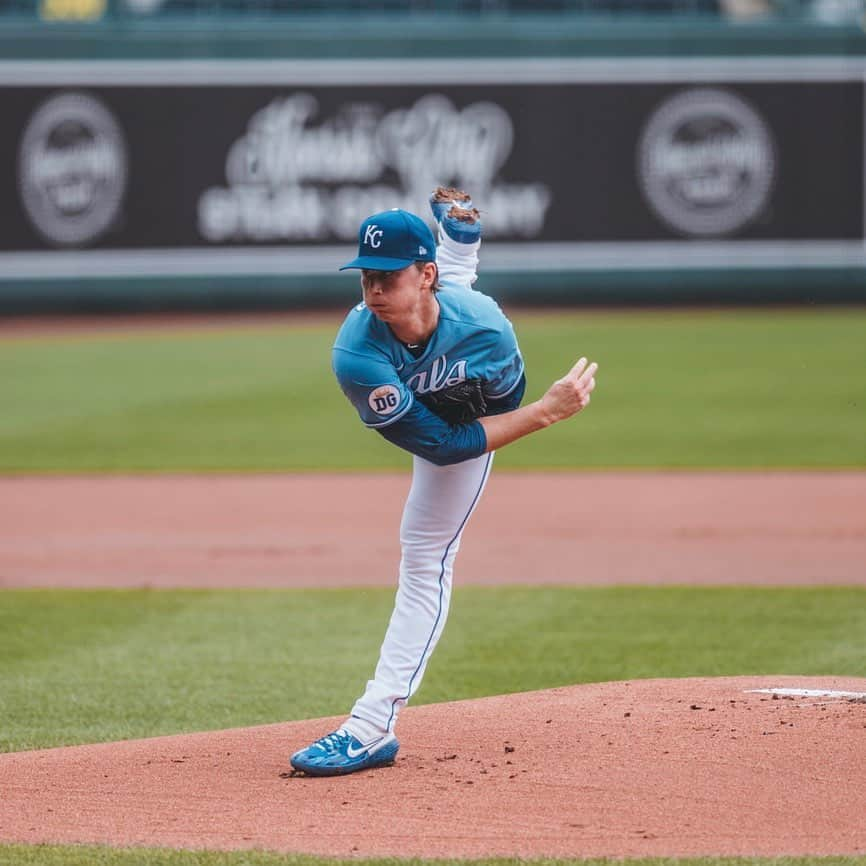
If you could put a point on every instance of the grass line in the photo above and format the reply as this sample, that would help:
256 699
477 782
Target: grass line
88 855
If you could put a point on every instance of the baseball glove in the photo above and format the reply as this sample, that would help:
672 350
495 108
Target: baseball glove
457 404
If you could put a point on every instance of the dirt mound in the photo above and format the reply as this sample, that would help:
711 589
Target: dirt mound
641 768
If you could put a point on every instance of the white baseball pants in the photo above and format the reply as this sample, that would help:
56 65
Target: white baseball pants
441 500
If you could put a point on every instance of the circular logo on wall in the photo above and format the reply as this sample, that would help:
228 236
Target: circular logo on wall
706 162
72 169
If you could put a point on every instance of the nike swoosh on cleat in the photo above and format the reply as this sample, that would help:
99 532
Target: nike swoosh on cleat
356 753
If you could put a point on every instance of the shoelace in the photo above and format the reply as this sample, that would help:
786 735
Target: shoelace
332 742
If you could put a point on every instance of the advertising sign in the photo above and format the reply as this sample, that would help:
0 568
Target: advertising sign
151 167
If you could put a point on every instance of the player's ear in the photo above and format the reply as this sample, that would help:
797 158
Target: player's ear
429 275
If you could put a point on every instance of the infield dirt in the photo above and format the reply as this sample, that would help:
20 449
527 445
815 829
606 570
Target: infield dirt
641 768
341 530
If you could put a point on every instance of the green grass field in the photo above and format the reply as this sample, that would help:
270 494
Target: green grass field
90 666
676 389
753 389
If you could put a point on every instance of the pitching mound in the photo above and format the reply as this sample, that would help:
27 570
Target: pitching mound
642 768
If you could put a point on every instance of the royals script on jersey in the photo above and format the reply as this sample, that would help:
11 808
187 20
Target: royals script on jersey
381 377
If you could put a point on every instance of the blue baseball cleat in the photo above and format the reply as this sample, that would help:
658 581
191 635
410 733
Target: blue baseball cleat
452 209
340 753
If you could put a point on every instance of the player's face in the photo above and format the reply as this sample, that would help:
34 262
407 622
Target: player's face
394 296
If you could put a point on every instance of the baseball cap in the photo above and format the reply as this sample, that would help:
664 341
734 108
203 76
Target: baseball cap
392 240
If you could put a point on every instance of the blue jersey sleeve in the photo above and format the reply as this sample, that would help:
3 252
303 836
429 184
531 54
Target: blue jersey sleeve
506 369
425 434
373 387
510 402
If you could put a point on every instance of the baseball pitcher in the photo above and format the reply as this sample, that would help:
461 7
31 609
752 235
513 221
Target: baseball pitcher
434 367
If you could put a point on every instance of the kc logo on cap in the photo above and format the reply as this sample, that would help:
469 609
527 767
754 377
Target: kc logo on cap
373 236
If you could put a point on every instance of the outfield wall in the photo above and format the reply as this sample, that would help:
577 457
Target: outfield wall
132 182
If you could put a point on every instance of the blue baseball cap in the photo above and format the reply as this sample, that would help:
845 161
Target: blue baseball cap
393 240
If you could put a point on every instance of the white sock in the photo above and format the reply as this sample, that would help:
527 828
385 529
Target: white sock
363 731
458 263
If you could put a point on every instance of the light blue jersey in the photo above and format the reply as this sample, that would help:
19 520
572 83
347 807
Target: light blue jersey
384 381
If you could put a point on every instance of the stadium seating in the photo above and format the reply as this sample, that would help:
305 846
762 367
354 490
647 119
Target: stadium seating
34 9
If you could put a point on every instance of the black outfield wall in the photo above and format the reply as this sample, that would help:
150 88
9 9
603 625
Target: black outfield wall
143 183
